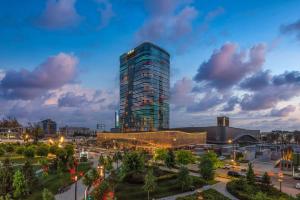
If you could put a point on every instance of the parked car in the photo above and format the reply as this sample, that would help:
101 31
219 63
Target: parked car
298 185
258 178
233 173
222 157
243 170
226 166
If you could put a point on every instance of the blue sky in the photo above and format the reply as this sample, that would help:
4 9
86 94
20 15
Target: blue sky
88 36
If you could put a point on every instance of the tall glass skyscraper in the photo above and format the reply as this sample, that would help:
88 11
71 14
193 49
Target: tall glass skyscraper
144 89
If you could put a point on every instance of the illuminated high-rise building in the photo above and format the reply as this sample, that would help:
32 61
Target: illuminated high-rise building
144 89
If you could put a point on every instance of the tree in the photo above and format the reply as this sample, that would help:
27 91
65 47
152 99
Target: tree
19 185
266 180
42 150
2 152
108 164
133 164
214 158
250 176
28 152
100 191
170 159
184 157
206 167
89 178
69 149
45 166
160 154
113 179
47 195
29 175
20 150
6 177
183 178
101 160
6 197
150 183
261 196
116 157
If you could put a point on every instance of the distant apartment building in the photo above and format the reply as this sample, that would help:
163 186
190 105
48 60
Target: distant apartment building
144 89
48 126
70 131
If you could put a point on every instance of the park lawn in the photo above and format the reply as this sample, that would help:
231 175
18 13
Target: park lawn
165 187
55 181
209 194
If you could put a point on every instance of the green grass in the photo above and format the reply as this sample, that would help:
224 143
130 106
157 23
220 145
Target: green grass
54 181
165 187
209 194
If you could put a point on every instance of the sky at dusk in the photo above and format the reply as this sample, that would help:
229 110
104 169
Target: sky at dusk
59 59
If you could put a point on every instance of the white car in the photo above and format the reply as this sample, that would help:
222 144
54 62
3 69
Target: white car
298 185
226 166
222 158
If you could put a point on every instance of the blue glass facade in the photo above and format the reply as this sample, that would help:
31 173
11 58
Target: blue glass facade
144 89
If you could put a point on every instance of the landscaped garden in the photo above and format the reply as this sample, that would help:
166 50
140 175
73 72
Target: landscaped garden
209 194
141 176
37 171
248 188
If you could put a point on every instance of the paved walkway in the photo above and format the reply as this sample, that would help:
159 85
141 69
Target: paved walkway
70 193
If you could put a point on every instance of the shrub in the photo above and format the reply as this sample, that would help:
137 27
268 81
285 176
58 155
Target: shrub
42 150
9 148
20 150
212 194
28 152
2 152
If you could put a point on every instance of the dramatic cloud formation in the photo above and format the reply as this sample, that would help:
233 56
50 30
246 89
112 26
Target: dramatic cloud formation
257 81
283 112
55 72
169 20
208 101
181 95
227 67
72 100
293 28
59 14
106 12
282 87
232 102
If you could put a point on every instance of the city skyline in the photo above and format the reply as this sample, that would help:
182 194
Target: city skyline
237 60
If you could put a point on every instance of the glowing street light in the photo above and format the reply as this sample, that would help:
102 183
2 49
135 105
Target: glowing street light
280 179
75 187
51 141
61 140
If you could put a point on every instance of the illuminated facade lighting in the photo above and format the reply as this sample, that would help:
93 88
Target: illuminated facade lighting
144 89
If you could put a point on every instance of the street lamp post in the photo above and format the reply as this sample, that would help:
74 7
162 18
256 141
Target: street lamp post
75 187
280 179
